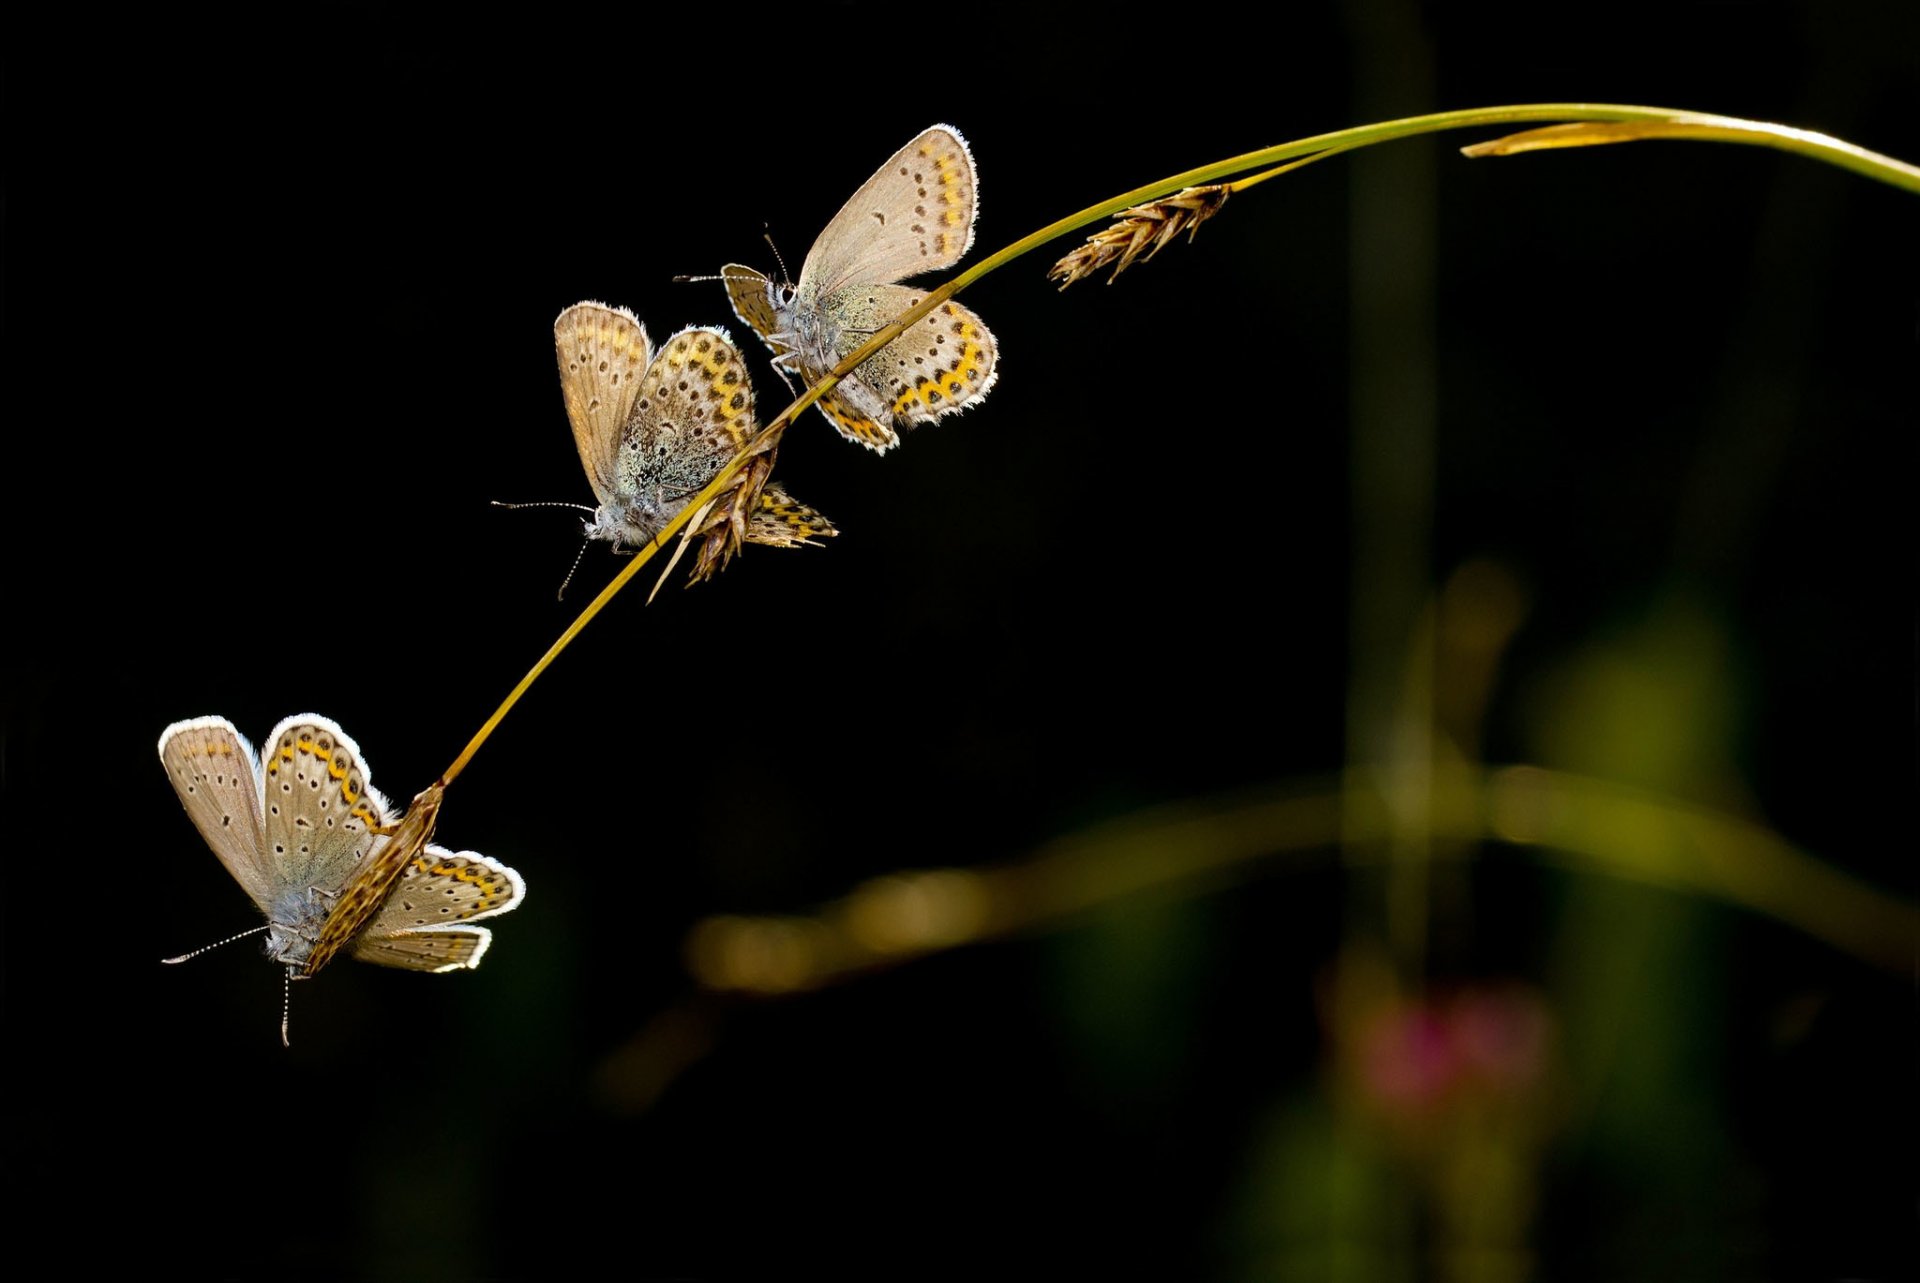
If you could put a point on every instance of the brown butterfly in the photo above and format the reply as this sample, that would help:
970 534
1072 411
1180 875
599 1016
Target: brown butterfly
320 853
653 427
914 215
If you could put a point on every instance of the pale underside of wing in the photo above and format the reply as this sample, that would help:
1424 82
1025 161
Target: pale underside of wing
752 299
914 215
603 353
942 363
441 889
446 949
780 521
693 412
215 773
857 411
425 923
751 295
320 803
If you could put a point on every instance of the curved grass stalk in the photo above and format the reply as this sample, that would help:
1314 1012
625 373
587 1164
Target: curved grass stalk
1579 124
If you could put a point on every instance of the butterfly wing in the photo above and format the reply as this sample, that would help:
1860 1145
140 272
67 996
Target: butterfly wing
423 924
603 353
858 413
780 521
751 294
942 363
914 215
449 949
692 413
752 297
321 808
216 775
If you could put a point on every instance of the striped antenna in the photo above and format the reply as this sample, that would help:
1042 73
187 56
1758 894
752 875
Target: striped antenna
216 944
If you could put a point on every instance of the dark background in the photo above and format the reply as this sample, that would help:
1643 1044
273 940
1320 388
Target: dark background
277 327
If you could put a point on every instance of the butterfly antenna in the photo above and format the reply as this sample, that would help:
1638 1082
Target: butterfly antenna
562 594
286 1006
543 503
216 944
776 254
555 503
768 236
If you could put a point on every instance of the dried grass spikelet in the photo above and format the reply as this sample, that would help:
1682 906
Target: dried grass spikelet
723 531
1140 231
751 511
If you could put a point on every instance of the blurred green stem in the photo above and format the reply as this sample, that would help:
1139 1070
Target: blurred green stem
1582 823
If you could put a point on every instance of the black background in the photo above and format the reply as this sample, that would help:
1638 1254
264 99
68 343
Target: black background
277 327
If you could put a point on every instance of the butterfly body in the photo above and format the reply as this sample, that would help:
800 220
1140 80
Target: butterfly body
294 920
914 215
653 427
309 839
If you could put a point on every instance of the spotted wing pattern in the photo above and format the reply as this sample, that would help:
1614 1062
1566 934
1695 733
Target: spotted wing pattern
419 928
694 410
603 352
939 365
321 810
318 850
449 949
366 891
752 297
781 521
756 301
217 777
915 214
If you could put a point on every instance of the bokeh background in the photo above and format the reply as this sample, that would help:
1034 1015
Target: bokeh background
1383 750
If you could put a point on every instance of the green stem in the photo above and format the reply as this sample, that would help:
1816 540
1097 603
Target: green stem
1802 142
594 607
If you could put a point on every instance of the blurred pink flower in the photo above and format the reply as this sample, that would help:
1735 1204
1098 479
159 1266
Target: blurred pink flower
1417 1055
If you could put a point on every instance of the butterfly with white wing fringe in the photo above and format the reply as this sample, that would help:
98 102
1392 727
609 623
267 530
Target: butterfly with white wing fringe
311 842
914 215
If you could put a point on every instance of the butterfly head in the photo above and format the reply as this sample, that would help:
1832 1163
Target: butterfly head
287 946
635 522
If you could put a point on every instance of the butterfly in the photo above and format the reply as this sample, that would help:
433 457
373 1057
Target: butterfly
653 427
914 215
314 846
